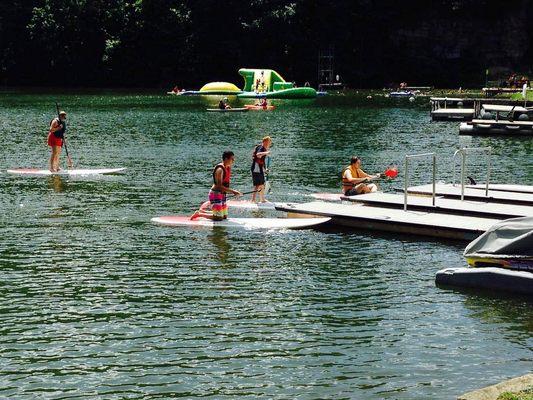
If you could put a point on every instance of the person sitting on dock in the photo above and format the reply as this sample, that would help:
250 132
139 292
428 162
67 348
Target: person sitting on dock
218 192
354 179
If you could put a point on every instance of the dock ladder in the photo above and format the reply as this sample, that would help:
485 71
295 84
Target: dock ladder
463 152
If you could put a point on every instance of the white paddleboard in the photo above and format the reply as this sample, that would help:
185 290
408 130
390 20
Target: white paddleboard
251 205
66 172
246 223
327 196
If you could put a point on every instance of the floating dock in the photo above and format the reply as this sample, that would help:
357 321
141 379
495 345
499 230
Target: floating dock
452 114
454 191
488 278
504 187
465 109
392 220
443 205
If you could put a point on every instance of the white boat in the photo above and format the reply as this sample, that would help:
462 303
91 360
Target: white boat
507 244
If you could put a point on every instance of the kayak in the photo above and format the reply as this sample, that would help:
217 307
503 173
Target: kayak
65 172
259 108
246 223
251 205
227 110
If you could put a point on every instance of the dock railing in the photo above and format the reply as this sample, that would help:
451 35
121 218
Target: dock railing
463 152
406 175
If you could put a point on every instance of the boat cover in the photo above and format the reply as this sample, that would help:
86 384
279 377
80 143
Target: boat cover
510 238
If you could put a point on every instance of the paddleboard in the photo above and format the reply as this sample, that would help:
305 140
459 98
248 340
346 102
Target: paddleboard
259 108
327 196
251 205
66 172
246 223
227 110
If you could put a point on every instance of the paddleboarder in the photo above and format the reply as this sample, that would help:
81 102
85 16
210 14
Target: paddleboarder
354 179
259 169
56 135
218 193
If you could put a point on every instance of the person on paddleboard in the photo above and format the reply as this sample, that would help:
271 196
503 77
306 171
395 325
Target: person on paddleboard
56 136
218 193
259 169
354 179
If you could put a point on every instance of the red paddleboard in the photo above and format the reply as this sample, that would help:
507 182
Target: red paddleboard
246 223
327 196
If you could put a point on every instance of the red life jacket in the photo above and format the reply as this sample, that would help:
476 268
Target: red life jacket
226 174
258 160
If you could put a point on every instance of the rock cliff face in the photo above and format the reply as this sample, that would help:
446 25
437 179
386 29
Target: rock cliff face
463 44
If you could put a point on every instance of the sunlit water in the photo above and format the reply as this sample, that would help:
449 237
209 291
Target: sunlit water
95 301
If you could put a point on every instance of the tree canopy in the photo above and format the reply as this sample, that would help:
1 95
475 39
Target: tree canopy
153 43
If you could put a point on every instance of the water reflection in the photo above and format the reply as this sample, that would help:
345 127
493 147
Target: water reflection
219 237
57 184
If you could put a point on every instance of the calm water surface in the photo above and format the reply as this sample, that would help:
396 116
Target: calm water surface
96 302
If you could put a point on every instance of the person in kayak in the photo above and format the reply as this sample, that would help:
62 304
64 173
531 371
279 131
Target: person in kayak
258 168
219 189
223 104
354 179
262 103
56 135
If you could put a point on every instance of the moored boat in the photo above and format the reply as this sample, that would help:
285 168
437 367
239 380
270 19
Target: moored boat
507 244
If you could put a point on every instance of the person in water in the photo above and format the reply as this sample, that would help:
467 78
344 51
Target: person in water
258 168
354 179
56 136
219 189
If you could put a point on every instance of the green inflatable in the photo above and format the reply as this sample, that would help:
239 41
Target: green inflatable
268 83
258 83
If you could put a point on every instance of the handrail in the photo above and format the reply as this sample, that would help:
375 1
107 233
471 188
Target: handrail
463 151
406 176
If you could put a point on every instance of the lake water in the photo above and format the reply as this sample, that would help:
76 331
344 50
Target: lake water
97 302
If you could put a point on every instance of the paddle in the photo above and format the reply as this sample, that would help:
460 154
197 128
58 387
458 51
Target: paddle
69 160
243 193
267 181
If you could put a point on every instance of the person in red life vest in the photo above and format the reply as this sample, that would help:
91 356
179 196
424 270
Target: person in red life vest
258 168
56 135
219 189
354 179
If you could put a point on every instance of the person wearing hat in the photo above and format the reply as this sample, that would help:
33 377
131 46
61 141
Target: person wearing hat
56 136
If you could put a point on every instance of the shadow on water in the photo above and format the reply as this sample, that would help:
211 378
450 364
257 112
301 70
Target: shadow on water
330 228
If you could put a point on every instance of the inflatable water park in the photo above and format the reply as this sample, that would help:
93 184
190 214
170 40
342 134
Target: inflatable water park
258 83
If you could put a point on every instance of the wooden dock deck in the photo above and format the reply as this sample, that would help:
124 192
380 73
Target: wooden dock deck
358 216
443 205
454 191
504 187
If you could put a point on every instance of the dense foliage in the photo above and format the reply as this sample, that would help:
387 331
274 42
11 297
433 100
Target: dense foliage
190 42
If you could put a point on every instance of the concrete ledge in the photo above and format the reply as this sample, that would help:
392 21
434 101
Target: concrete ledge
492 392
